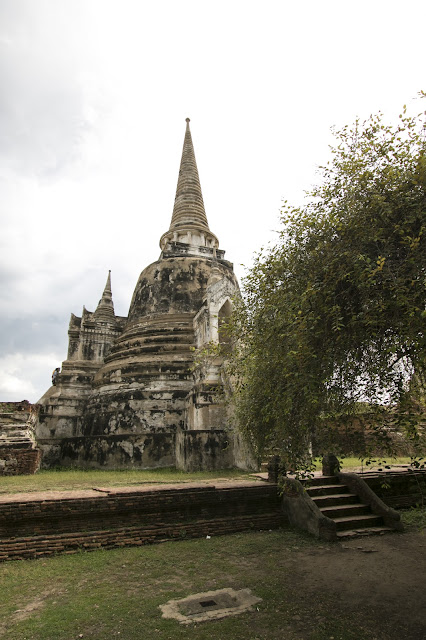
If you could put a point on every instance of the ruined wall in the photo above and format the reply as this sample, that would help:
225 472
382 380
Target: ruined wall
362 436
400 490
18 462
90 340
126 451
208 450
205 407
19 454
91 337
62 405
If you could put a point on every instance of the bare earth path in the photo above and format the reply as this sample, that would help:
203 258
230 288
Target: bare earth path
383 578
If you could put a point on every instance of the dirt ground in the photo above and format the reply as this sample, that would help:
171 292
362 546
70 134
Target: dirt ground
380 578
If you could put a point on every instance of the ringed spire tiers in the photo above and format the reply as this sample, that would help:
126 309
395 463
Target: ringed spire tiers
131 393
105 308
189 221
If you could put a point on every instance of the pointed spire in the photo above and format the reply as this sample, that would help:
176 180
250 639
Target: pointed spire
105 308
189 221
189 205
107 291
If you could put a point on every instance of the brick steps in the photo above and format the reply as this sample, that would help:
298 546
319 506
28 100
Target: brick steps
335 500
328 490
342 510
355 521
352 517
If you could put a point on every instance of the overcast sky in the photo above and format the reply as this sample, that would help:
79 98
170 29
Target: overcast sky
93 100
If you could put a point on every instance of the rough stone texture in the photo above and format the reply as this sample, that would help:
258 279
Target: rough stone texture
303 513
204 450
143 450
330 465
189 221
276 469
111 518
130 384
19 454
210 605
357 485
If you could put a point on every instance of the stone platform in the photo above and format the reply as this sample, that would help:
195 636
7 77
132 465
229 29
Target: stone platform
35 525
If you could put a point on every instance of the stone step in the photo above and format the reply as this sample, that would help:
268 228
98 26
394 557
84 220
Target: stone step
336 499
355 522
359 532
336 502
170 337
319 480
14 426
348 510
327 489
17 446
164 328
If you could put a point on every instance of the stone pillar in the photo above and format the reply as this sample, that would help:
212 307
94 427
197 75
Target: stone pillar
330 465
275 469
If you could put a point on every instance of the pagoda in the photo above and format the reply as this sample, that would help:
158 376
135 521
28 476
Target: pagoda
130 394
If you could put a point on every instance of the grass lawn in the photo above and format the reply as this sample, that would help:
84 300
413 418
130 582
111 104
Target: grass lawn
116 594
374 464
68 479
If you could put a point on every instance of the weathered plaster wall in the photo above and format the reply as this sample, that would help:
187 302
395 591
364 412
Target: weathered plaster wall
204 450
125 451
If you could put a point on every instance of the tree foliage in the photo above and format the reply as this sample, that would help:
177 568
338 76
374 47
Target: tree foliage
333 315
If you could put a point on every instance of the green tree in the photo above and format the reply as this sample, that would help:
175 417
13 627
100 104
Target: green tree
334 314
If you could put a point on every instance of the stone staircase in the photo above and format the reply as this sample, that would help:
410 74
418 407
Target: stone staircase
353 518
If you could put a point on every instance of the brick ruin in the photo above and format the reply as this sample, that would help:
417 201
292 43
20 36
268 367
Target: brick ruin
129 393
19 454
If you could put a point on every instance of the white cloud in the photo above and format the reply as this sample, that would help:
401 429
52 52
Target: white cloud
47 87
26 377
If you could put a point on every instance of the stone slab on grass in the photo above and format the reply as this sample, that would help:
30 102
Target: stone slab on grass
210 605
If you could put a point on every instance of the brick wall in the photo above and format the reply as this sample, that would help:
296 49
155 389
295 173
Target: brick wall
42 527
15 462
400 490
